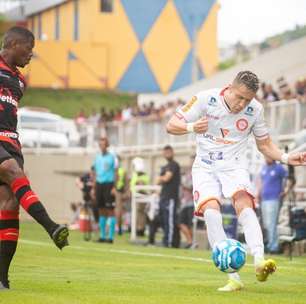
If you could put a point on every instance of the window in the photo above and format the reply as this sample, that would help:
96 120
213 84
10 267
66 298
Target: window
76 21
57 24
106 6
39 28
33 25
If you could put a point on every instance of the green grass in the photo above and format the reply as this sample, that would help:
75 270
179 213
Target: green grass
68 103
124 273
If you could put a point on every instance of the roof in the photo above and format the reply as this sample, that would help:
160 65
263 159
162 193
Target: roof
36 6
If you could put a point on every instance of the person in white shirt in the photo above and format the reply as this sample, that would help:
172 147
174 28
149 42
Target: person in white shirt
223 120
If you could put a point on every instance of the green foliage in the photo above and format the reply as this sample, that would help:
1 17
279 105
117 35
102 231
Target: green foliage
68 103
91 273
226 64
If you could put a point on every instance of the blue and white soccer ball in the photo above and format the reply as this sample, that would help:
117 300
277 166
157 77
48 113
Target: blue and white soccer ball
229 255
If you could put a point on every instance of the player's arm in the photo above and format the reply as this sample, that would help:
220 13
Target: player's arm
178 126
268 148
191 117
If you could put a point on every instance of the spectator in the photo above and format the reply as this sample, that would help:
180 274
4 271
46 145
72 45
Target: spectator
270 94
81 117
187 208
85 184
139 177
105 178
271 188
169 179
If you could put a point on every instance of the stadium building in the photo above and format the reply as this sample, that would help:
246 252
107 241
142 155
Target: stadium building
128 45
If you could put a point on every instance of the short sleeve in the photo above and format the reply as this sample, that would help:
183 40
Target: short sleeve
260 129
194 109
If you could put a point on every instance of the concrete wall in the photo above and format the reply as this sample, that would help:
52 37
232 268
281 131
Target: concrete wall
53 177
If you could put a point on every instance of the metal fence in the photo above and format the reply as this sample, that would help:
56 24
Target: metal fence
284 118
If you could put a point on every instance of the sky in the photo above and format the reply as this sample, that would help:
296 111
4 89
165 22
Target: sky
251 21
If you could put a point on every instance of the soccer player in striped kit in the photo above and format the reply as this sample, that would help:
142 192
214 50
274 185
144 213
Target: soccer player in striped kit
15 188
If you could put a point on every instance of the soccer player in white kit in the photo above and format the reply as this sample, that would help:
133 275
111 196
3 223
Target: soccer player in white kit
223 120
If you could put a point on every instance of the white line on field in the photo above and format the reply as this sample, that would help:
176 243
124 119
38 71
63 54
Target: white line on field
140 253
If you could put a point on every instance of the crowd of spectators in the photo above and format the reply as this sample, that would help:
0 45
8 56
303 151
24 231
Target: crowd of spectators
152 112
284 91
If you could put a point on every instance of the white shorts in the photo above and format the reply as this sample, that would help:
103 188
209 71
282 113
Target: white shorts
208 185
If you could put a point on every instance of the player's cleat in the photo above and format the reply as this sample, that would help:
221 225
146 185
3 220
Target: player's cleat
232 285
264 269
4 285
60 236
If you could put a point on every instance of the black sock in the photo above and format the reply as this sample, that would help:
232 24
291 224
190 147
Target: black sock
30 202
9 233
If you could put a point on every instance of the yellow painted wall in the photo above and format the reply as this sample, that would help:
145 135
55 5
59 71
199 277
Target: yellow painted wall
66 21
207 44
48 22
108 44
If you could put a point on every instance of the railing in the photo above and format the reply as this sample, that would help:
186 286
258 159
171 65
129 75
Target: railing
284 118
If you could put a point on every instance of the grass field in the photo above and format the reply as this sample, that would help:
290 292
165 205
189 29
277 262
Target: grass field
124 273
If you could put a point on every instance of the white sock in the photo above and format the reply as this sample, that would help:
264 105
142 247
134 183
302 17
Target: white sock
214 225
234 276
252 234
216 233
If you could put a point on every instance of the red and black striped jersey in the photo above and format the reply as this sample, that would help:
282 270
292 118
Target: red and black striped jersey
12 86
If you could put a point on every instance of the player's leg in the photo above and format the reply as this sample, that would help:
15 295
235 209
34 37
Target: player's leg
9 232
207 193
102 212
236 185
110 205
243 203
12 174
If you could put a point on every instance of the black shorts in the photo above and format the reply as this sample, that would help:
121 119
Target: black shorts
104 198
186 216
8 151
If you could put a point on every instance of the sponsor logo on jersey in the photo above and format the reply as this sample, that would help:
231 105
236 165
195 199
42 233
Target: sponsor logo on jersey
242 124
219 140
189 104
21 84
212 101
212 116
196 196
249 111
9 99
224 132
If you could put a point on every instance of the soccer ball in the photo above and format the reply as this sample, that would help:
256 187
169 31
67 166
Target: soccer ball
229 255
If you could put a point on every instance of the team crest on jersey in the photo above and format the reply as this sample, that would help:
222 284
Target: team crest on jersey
196 196
249 111
224 132
242 124
212 101
188 105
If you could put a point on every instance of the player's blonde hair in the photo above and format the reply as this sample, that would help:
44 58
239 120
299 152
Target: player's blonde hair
249 79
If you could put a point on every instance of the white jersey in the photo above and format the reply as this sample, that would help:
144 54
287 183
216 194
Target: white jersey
223 146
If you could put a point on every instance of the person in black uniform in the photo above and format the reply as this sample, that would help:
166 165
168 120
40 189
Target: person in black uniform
85 184
15 189
169 179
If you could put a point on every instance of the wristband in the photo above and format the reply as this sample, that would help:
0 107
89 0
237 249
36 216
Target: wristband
285 158
190 127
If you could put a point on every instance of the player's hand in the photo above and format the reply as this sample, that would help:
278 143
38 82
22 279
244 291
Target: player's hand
297 159
201 125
